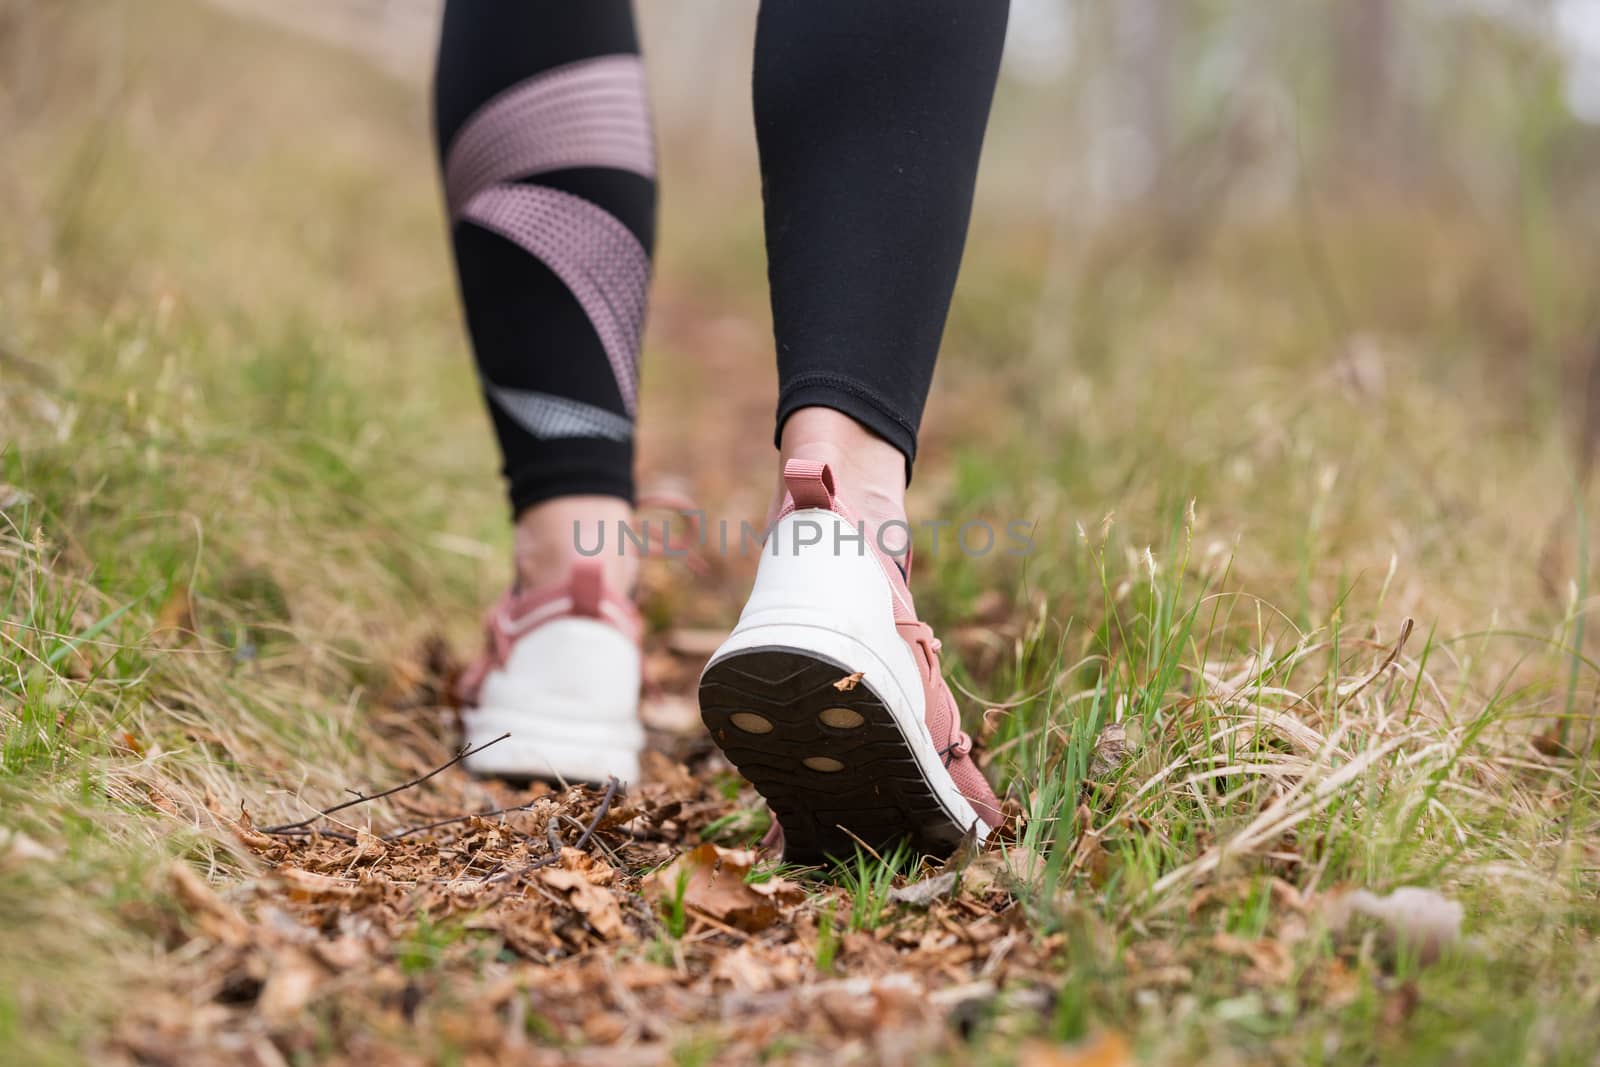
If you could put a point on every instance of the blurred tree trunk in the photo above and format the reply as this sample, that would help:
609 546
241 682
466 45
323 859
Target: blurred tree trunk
1147 39
1363 82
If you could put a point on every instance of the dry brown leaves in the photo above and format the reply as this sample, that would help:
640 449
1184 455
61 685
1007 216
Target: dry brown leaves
1101 1050
492 935
714 883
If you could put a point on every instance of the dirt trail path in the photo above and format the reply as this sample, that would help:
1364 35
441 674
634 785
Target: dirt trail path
551 925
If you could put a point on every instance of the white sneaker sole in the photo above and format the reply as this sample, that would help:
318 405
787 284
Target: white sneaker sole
817 700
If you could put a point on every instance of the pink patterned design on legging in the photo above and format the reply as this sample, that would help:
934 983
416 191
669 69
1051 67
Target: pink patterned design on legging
593 254
592 113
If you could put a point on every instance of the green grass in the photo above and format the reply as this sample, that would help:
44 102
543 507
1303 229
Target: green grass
866 879
674 916
827 951
424 950
741 827
231 375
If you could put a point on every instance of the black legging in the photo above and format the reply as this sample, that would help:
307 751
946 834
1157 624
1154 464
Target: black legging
869 120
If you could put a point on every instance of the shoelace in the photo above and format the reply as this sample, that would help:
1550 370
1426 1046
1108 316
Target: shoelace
958 749
958 744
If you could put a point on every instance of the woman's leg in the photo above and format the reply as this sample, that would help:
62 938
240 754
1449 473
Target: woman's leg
869 119
549 174
828 694
545 142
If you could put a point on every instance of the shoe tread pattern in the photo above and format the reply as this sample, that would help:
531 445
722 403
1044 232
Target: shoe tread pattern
880 795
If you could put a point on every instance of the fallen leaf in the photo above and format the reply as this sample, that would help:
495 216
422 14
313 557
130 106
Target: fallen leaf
1091 855
603 1028
657 768
1110 751
595 904
746 969
245 830
780 891
848 682
716 887
921 894
966 850
597 870
175 620
290 985
309 885
369 847
215 917
1268 957
671 713
1236 890
1002 870
161 801
342 953
1548 742
871 1006
637 975
697 643
1339 984
526 929
1107 1049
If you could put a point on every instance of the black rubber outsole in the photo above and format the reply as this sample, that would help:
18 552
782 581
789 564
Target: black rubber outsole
880 795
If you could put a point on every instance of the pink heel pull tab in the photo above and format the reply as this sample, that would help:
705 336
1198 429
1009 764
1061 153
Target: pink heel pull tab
587 587
810 483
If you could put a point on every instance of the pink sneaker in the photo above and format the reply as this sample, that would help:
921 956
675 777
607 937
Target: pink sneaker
561 676
827 695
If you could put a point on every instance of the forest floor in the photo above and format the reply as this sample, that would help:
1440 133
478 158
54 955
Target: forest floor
1293 701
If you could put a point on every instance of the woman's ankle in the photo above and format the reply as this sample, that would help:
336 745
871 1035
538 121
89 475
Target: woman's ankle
870 472
554 534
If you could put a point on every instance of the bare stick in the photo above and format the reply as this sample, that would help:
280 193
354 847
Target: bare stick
588 832
599 813
362 798
610 853
337 835
398 834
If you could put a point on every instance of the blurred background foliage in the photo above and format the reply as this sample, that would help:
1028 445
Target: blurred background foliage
1414 165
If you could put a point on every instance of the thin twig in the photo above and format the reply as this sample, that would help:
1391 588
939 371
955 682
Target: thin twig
337 835
362 798
396 835
612 785
588 832
609 852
